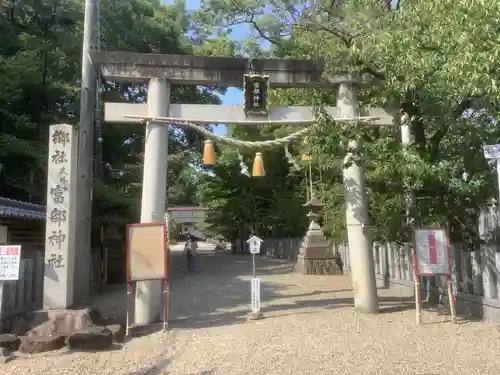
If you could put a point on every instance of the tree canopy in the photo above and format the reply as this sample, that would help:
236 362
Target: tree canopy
433 62
39 73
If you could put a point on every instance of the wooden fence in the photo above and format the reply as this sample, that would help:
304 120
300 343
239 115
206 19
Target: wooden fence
26 294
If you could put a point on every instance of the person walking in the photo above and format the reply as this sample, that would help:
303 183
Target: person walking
190 248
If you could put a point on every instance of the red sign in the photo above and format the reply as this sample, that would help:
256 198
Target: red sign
10 250
431 251
431 238
432 257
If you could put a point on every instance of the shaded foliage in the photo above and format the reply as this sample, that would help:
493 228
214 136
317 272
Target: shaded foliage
40 59
434 62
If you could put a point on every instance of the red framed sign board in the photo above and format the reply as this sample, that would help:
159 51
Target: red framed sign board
432 257
147 259
431 252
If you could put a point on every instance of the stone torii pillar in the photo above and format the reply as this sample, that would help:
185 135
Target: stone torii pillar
356 215
154 191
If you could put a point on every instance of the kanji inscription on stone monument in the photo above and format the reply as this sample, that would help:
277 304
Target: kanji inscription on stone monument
59 238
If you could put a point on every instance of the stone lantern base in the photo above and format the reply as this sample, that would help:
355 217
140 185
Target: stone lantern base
316 256
318 266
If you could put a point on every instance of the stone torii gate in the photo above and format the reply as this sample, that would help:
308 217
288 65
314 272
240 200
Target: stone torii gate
160 71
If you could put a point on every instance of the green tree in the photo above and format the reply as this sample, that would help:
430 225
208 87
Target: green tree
433 61
239 205
40 63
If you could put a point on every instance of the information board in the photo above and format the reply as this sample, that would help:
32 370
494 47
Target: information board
147 251
431 252
10 259
254 243
147 257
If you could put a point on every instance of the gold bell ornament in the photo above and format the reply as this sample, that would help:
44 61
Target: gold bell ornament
258 166
208 153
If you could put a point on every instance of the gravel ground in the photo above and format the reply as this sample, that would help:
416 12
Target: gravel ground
309 328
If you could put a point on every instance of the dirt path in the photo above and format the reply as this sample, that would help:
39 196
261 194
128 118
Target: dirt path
309 328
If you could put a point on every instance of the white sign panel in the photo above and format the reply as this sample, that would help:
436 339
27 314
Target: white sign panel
10 259
255 294
254 248
254 243
432 252
491 151
60 223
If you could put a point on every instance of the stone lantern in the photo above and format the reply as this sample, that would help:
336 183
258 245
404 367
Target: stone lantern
316 255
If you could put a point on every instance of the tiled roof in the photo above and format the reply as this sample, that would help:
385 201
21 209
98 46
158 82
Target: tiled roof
10 208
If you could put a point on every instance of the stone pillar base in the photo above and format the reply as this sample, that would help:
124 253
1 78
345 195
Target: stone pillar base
319 266
257 315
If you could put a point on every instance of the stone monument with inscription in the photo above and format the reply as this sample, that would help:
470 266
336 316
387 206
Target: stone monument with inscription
60 228
316 256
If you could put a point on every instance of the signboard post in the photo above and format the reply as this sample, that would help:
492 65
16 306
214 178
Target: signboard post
254 243
255 295
10 260
147 259
432 257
